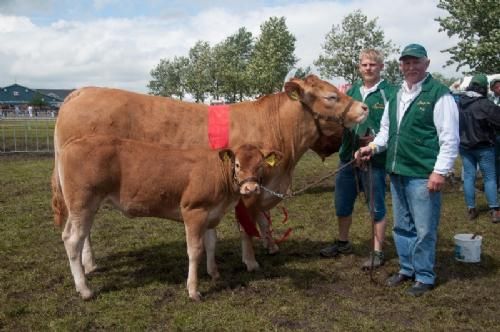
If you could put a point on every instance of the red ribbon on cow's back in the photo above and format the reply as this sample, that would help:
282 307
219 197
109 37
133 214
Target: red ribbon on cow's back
218 126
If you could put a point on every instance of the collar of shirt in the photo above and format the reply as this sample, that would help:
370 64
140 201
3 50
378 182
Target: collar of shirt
407 94
366 91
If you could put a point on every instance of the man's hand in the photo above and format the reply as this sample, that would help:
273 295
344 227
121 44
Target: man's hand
363 155
436 182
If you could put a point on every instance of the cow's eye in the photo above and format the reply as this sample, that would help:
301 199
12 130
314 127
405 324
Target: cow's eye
331 97
237 165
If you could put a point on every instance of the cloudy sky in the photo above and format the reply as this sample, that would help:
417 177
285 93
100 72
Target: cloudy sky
74 43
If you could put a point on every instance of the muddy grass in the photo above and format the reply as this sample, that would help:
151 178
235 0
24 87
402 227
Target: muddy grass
140 283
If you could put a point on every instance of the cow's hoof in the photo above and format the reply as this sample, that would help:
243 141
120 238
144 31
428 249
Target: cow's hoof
195 297
87 294
90 269
215 275
273 249
252 266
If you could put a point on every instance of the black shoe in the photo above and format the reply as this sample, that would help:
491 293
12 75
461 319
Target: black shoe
472 213
397 280
419 289
336 248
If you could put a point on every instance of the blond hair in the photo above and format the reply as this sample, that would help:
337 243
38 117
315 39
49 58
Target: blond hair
373 54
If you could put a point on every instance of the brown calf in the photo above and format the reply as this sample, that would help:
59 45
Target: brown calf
147 180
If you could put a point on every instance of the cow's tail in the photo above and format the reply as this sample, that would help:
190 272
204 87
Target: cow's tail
58 205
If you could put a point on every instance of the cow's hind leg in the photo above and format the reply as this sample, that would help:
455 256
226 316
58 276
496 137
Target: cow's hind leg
247 252
75 231
210 241
266 234
88 259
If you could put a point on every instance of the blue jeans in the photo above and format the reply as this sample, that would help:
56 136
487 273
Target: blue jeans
346 190
497 159
416 219
485 157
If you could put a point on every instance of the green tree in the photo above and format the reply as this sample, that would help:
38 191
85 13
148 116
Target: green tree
392 73
344 43
169 78
477 25
38 100
199 72
233 57
445 80
273 56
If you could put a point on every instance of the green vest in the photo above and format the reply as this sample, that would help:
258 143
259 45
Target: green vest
413 146
375 101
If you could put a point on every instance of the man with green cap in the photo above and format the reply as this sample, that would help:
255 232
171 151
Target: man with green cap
419 131
479 120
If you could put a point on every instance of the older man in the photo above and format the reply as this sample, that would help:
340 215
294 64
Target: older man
419 131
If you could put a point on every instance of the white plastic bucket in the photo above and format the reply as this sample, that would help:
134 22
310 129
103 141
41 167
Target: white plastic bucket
468 249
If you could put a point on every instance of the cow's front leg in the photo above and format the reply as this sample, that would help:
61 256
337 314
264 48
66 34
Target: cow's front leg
195 225
88 256
266 234
210 244
74 233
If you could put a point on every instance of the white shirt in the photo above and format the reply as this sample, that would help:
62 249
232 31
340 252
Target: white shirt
445 120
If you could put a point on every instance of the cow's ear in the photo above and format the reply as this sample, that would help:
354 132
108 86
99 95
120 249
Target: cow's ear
226 155
273 158
293 90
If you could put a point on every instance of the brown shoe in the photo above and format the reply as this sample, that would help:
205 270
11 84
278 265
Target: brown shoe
495 216
472 213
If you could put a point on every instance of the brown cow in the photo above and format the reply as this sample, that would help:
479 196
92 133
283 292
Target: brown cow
289 122
148 180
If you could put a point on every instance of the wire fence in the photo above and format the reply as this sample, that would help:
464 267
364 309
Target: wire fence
26 134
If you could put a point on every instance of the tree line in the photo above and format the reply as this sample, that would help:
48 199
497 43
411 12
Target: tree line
243 66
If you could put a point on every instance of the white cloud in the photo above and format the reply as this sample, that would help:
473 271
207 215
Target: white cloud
120 52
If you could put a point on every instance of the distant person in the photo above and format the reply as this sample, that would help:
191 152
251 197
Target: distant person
495 98
479 120
374 92
495 90
30 111
419 131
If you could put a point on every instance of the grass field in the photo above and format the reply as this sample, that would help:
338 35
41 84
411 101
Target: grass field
143 266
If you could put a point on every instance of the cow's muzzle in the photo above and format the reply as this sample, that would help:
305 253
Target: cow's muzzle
250 185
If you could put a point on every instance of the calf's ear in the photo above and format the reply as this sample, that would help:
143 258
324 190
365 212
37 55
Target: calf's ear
294 90
273 158
226 155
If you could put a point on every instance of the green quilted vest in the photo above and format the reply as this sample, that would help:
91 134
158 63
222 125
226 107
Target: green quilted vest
375 101
413 147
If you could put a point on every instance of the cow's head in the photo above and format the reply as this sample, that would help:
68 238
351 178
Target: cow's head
330 108
248 164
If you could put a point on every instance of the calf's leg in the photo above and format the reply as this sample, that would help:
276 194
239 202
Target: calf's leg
195 225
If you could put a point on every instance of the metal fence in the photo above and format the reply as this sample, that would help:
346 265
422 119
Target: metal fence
26 134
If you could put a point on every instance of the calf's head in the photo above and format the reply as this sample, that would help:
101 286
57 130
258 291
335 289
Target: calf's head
330 108
247 164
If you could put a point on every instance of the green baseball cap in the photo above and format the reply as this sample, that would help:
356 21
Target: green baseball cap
414 50
479 79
